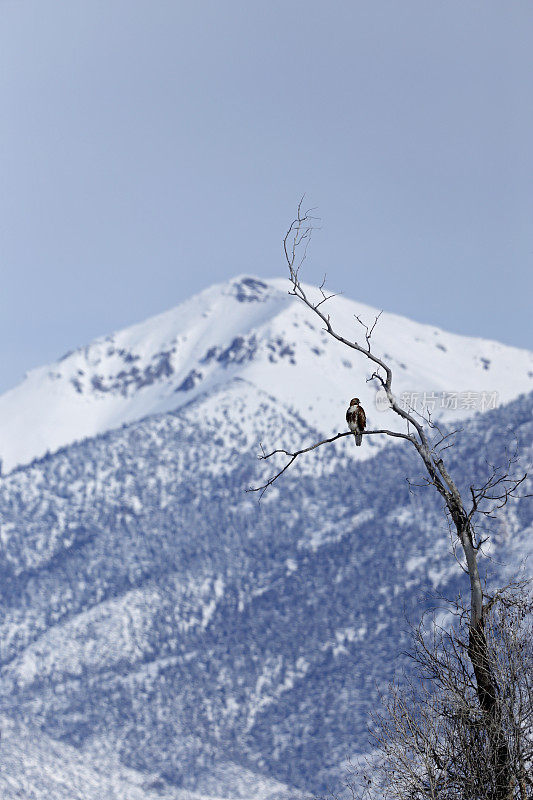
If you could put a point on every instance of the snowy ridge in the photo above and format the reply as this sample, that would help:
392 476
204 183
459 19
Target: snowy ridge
252 329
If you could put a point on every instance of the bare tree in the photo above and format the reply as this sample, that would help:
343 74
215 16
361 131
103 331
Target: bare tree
432 739
425 436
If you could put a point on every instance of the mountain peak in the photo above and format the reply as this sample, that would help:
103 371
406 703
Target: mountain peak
248 289
250 328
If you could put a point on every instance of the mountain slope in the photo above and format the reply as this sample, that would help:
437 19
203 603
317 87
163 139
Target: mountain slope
250 329
35 767
152 609
163 633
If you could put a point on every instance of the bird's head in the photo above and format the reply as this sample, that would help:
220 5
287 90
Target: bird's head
354 401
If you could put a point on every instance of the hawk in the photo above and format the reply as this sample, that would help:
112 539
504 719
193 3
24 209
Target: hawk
356 419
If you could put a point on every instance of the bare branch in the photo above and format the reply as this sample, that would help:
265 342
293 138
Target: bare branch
293 456
498 489
368 331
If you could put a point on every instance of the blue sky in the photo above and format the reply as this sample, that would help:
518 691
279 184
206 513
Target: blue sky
150 149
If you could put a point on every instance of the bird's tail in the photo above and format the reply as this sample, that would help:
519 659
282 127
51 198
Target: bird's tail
358 439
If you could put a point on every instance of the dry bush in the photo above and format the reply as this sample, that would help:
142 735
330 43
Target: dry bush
433 740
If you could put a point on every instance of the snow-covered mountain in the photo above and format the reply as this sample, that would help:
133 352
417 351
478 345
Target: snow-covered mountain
153 613
164 635
252 329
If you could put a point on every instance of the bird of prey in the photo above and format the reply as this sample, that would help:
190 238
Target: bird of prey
356 419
